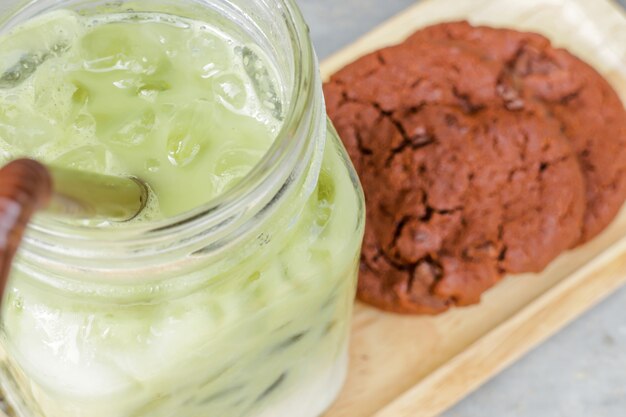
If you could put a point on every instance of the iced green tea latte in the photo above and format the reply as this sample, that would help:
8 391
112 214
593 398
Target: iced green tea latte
189 108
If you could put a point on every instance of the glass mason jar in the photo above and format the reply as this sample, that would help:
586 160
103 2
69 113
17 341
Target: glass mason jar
240 308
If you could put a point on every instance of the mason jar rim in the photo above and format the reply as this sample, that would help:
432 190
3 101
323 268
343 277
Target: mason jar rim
218 213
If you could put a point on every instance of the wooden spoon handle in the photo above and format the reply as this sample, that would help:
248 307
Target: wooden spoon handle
25 187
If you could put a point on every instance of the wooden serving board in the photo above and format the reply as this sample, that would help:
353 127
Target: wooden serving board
421 366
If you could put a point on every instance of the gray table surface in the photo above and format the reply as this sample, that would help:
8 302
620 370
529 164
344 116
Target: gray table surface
581 372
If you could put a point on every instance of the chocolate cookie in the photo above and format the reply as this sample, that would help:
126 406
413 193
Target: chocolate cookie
590 112
460 189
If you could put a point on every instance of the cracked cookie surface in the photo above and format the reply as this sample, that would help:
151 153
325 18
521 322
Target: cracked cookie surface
460 189
591 113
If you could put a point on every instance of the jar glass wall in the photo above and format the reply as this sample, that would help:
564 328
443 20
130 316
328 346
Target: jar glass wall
240 307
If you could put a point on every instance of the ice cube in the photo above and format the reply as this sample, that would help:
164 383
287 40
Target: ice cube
84 126
230 90
149 89
49 342
22 70
54 97
167 337
109 96
85 158
135 130
33 43
235 164
24 129
119 46
263 82
209 54
189 133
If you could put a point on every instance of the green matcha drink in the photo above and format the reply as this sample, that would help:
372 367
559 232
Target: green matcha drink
167 100
255 327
